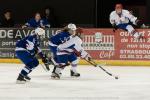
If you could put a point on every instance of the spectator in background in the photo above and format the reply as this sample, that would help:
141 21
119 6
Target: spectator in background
7 20
37 22
49 15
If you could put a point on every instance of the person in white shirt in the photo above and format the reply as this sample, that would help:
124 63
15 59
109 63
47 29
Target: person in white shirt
121 19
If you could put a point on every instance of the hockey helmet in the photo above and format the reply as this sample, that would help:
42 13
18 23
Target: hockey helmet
72 27
39 31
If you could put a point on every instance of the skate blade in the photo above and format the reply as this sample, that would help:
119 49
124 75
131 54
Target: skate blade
20 82
75 76
55 78
27 80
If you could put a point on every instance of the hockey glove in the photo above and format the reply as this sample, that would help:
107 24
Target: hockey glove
114 27
45 60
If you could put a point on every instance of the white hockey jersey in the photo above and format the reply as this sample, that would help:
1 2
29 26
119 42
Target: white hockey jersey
74 43
125 18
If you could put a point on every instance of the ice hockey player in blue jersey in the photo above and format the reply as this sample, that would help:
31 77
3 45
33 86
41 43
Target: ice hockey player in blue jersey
67 33
26 49
59 38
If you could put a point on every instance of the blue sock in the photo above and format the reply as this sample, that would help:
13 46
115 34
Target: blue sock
25 71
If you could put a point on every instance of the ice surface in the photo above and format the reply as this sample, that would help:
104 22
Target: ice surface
94 84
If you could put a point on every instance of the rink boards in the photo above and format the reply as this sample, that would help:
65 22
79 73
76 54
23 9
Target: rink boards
107 62
104 45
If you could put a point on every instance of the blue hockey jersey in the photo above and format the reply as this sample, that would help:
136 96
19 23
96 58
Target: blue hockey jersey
60 38
34 24
30 43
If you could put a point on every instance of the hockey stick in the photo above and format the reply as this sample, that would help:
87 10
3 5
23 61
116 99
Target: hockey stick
92 62
44 67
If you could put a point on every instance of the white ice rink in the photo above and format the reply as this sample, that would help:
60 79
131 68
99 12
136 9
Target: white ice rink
94 84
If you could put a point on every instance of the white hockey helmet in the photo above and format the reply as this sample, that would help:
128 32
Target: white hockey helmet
72 27
39 31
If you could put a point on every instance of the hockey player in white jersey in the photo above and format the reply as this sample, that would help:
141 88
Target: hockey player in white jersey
121 19
67 49
64 35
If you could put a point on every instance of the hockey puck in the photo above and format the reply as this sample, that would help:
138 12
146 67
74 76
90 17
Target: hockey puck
116 77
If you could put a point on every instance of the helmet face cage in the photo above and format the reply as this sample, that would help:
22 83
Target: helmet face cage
39 31
71 28
72 32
